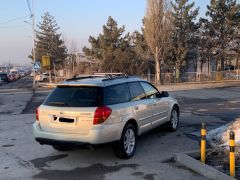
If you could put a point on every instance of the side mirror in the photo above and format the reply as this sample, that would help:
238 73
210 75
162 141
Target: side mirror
165 93
162 94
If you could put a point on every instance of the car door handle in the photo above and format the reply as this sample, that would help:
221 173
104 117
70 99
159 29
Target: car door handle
136 107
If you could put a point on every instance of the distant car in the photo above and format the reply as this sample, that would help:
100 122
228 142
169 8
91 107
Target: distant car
4 77
22 73
229 67
15 76
10 77
44 77
94 110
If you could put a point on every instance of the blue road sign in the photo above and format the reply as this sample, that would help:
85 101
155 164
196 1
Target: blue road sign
37 65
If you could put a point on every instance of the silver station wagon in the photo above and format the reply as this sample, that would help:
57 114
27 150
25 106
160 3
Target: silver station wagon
98 109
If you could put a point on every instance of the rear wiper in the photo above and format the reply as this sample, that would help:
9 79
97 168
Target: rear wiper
58 103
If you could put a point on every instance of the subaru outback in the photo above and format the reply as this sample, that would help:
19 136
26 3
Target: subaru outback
95 110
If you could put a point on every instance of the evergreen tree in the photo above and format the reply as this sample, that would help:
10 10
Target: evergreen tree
119 51
224 17
112 47
184 31
49 42
235 46
206 44
143 54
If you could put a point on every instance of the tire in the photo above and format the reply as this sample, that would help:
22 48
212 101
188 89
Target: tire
172 125
128 138
61 148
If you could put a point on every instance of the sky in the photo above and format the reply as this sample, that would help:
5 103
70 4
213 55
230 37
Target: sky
77 19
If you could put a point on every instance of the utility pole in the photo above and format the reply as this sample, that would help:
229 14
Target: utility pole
33 29
73 63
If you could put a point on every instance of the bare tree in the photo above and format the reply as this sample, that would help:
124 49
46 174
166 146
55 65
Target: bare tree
72 46
157 31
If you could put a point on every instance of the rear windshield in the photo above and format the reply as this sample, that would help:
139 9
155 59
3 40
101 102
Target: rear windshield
79 96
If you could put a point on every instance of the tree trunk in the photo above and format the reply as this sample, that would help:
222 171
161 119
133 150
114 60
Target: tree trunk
222 63
208 61
157 73
54 69
157 68
237 66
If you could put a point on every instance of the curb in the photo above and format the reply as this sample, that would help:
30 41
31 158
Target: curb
47 85
199 167
192 86
203 82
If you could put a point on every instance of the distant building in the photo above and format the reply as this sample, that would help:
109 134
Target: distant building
81 58
79 64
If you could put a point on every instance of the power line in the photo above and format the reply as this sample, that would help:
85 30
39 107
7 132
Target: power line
12 26
29 7
14 19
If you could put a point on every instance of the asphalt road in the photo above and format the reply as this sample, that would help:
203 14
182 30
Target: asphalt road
22 83
23 158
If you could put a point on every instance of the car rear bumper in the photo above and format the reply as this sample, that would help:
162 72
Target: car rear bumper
60 142
98 135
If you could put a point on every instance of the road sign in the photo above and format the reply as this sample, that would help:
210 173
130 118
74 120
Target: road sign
45 61
37 65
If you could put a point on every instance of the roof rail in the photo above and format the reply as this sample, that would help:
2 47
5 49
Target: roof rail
83 77
115 76
108 76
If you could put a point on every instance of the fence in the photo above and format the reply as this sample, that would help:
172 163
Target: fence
169 78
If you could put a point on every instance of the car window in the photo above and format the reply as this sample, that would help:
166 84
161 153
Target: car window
116 94
149 90
136 91
79 96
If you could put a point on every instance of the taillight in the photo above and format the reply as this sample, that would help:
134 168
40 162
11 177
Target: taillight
37 114
101 114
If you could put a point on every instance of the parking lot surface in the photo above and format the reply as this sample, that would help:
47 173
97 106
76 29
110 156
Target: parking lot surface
23 158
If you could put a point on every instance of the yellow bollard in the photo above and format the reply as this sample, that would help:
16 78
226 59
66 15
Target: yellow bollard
203 143
232 154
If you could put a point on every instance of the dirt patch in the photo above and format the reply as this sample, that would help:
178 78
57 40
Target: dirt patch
220 161
138 173
42 162
96 171
6 112
35 101
186 100
149 176
8 145
29 106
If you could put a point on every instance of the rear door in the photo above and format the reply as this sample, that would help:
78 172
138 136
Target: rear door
142 107
70 109
117 97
